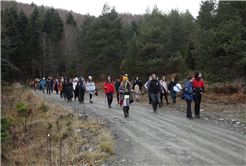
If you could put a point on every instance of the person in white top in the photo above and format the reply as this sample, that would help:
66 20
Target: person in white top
90 88
75 81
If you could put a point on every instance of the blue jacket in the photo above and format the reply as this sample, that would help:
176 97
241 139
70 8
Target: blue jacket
188 90
38 86
42 83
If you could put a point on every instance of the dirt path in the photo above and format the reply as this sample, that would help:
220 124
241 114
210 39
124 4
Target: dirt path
165 137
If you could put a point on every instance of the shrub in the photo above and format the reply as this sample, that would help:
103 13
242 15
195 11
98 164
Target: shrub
43 107
5 124
22 109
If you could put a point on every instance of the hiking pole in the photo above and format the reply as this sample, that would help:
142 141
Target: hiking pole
105 99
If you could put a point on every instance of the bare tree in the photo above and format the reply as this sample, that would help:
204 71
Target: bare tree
68 46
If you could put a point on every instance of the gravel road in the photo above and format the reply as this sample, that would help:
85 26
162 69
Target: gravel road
163 138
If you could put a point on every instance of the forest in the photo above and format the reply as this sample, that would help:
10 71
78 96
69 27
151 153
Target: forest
40 41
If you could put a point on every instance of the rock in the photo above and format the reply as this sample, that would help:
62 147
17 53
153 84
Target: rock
201 110
221 119
233 120
237 123
206 118
91 149
77 130
126 139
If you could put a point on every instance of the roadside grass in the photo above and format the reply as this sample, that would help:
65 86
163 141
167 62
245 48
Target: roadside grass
71 140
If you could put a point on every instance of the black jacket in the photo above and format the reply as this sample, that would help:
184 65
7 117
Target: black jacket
137 82
154 87
170 85
117 85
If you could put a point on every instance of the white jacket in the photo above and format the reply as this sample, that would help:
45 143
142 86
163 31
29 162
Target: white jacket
177 88
74 85
90 87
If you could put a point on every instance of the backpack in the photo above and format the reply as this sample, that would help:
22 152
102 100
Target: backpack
182 95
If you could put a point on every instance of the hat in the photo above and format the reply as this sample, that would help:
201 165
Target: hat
43 78
126 75
125 78
90 77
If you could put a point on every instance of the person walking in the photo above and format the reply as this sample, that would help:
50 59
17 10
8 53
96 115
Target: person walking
146 85
38 86
188 91
56 86
48 85
80 89
61 87
198 90
125 89
117 86
43 85
64 84
75 81
90 88
109 90
52 83
137 84
69 87
153 91
166 91
170 88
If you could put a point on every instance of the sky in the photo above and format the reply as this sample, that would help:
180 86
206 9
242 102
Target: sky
94 7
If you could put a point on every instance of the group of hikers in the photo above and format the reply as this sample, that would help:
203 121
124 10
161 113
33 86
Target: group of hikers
156 90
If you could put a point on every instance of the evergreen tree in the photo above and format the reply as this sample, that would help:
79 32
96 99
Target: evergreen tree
221 51
71 20
101 43
4 124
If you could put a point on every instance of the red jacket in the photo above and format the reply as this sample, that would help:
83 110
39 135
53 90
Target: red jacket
110 87
198 85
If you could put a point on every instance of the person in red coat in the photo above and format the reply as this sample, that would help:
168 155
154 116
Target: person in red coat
198 90
109 90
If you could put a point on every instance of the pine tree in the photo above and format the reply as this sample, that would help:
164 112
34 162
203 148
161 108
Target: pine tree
71 20
220 51
4 124
101 43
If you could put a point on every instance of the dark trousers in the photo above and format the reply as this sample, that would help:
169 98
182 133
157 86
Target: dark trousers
126 110
52 88
161 97
90 96
188 113
74 92
155 100
109 97
197 99
56 91
150 100
118 97
61 93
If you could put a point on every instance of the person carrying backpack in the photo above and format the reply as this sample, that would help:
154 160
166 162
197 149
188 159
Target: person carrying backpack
188 95
198 90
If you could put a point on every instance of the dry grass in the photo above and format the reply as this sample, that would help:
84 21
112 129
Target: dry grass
30 145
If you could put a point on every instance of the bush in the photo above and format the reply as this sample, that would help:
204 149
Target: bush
22 109
5 124
43 107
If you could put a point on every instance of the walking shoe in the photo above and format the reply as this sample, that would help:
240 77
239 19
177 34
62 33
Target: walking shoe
168 103
160 105
109 106
125 115
150 103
